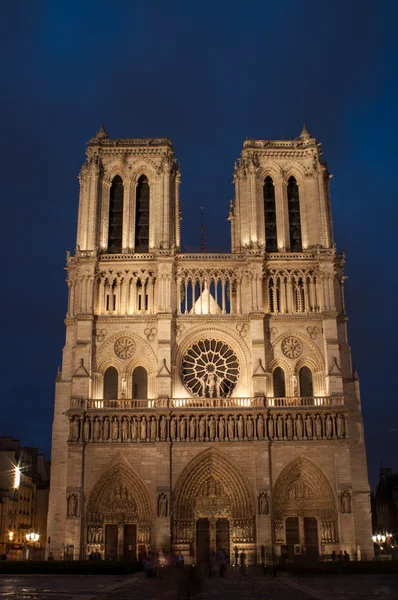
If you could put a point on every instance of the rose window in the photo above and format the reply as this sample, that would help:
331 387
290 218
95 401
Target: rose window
210 369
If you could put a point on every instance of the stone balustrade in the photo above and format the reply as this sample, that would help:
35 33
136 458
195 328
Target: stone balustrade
194 402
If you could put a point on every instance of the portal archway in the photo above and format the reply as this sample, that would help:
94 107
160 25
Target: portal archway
118 515
213 499
304 508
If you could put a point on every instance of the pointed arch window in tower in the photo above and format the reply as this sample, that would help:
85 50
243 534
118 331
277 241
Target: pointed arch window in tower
306 387
142 215
271 242
278 377
115 227
111 384
140 383
293 203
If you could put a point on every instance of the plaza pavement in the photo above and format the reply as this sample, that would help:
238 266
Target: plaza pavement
232 587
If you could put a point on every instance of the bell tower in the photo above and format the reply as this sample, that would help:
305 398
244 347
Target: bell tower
129 196
282 199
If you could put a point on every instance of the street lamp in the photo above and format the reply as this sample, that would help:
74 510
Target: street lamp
31 539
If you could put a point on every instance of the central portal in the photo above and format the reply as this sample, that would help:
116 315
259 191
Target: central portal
211 537
203 540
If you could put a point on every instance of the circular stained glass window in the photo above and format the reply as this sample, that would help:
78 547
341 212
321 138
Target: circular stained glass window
210 369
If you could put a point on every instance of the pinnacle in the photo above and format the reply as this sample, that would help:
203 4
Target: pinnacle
102 132
305 134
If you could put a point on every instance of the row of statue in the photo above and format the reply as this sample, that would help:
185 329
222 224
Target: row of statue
207 428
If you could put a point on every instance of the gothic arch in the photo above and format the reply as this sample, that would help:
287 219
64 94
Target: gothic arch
213 464
143 350
318 357
294 170
271 169
302 489
148 169
118 495
113 169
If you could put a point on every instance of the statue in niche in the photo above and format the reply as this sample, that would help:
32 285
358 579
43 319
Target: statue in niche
318 427
192 429
143 429
86 429
153 429
308 426
340 426
249 426
329 427
134 430
182 429
162 505
124 429
202 428
260 427
97 429
221 431
299 427
279 427
231 428
106 430
289 427
295 386
115 429
263 506
271 427
345 501
75 429
163 428
173 428
240 427
72 506
211 428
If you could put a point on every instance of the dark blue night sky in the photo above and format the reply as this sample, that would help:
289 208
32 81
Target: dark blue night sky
205 74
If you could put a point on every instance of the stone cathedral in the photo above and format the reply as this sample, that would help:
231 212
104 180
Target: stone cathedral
207 400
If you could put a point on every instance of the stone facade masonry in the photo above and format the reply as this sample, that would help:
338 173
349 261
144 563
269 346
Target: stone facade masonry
208 438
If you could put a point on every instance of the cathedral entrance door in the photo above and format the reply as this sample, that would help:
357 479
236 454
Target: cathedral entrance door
203 540
130 541
292 535
311 536
111 542
222 535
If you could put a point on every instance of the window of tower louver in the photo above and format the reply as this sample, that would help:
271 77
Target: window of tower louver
111 384
293 201
115 216
140 383
271 244
142 215
279 383
306 387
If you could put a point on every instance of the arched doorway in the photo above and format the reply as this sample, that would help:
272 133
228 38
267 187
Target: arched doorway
118 515
304 510
213 508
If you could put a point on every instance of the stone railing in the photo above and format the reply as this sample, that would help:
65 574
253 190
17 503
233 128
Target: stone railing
194 402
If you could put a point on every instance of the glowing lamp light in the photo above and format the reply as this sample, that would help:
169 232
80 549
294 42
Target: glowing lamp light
32 537
10 535
17 477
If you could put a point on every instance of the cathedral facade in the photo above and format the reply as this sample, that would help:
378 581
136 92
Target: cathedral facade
206 400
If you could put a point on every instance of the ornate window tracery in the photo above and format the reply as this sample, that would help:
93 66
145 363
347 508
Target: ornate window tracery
271 243
278 377
115 215
111 384
293 202
210 369
306 385
140 383
142 215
